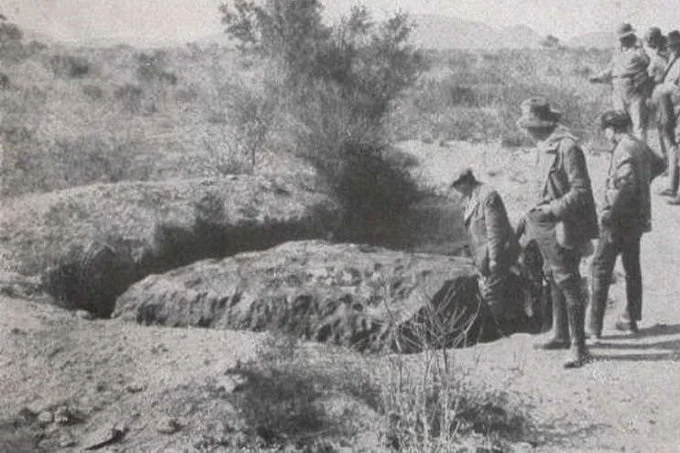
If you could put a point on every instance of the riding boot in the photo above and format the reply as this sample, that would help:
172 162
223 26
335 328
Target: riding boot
578 353
673 178
560 339
598 303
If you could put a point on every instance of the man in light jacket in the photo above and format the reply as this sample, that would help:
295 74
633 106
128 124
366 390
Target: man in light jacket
626 215
629 76
492 242
562 223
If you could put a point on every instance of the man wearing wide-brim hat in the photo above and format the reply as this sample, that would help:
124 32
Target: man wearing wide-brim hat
629 76
563 222
666 98
492 242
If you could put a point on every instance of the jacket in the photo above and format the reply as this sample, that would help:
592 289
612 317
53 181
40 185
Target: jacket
566 188
490 235
628 73
627 201
657 65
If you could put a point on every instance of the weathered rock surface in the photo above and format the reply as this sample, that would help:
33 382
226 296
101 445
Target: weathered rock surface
90 243
359 296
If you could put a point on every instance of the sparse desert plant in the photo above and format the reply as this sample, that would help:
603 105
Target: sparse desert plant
406 402
69 66
333 87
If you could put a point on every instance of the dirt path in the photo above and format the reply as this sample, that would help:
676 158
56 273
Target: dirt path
108 374
629 399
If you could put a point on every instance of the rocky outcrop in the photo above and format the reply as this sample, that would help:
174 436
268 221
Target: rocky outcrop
360 296
90 243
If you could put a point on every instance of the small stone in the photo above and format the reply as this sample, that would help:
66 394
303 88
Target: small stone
63 416
522 447
168 425
135 388
84 314
104 436
66 440
45 417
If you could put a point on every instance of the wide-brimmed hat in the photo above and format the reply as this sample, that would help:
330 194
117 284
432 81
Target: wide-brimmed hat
537 114
673 39
618 119
462 175
625 29
653 36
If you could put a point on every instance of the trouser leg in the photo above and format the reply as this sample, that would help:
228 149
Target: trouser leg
559 310
638 112
493 290
602 267
630 257
673 170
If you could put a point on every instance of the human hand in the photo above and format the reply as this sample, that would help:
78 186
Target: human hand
521 227
493 266
542 213
606 219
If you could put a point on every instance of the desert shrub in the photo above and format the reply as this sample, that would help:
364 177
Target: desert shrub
34 166
11 47
151 68
131 96
69 66
478 97
93 92
300 397
331 88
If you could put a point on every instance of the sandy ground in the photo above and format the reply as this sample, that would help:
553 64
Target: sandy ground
629 399
111 374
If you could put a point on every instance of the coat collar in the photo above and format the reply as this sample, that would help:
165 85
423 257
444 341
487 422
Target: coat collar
551 144
471 204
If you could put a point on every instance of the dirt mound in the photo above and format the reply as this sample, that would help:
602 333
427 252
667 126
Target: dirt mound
91 243
360 296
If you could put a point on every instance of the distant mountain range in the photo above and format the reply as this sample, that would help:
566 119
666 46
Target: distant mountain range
431 32
599 39
443 32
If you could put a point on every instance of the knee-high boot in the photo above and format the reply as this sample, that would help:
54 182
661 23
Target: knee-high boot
598 303
560 339
578 353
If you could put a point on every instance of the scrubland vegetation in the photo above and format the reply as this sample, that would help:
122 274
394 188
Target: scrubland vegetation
334 97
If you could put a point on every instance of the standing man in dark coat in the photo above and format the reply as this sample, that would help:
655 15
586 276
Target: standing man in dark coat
626 215
492 242
563 223
666 99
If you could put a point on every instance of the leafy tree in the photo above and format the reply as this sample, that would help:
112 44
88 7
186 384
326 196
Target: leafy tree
551 42
334 85
10 37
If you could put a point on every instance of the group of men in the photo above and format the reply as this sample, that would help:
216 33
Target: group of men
564 221
645 76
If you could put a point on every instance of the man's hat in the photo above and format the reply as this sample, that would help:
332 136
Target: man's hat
625 29
463 175
618 119
537 114
673 39
653 36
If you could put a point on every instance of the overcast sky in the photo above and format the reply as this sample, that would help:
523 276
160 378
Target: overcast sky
149 21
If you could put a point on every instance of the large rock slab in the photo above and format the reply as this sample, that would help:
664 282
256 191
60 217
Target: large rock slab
360 296
90 243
